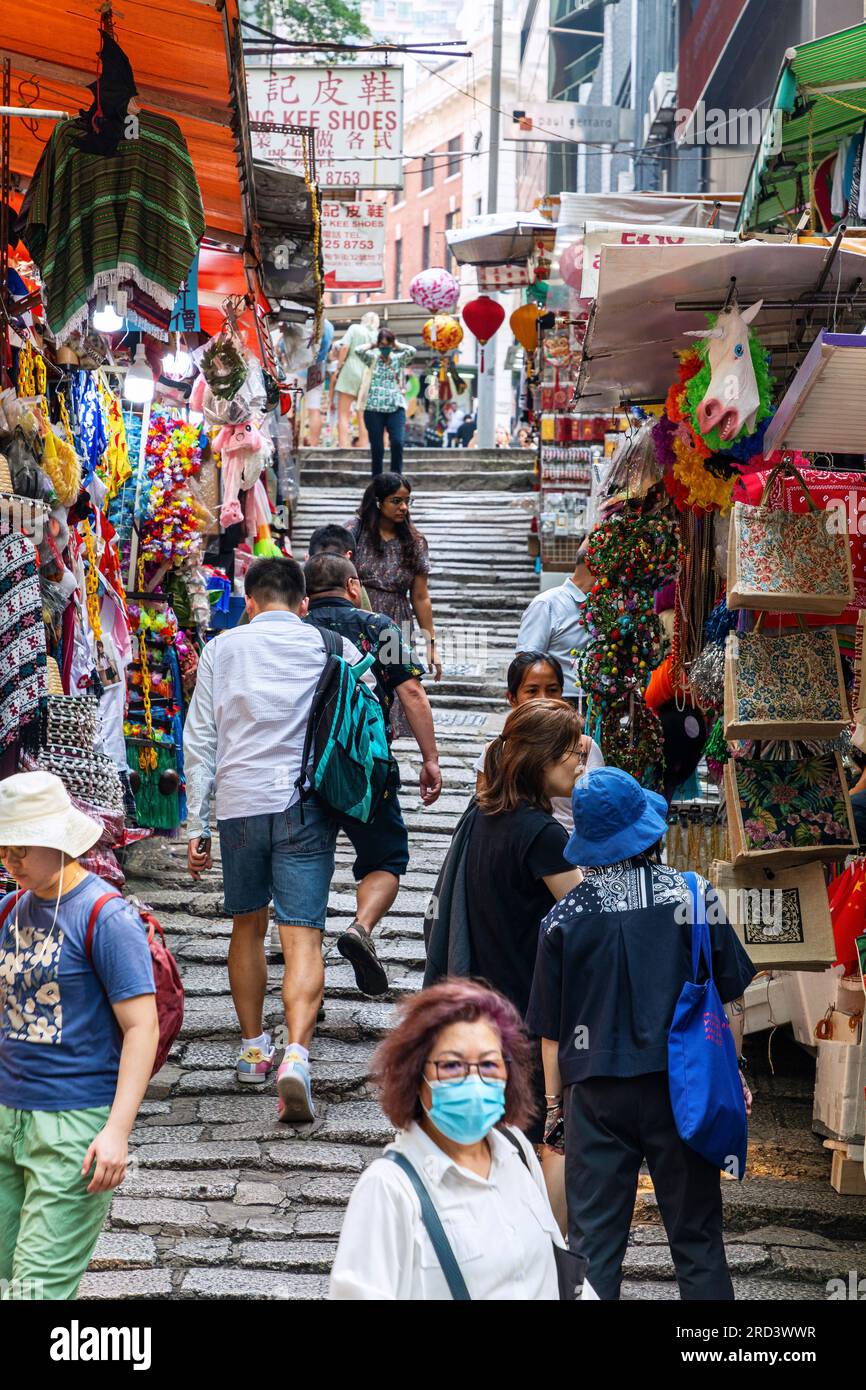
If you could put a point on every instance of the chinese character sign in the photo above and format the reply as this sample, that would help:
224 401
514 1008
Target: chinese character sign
353 245
184 315
356 113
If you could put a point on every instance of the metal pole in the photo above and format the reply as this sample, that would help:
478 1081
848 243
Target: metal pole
487 379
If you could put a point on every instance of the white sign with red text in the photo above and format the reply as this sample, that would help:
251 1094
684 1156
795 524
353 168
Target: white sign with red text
356 113
353 245
599 234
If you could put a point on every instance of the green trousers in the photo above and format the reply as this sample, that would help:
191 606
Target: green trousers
49 1222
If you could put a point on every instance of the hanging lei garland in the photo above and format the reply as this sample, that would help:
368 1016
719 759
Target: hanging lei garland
700 471
631 556
173 519
223 368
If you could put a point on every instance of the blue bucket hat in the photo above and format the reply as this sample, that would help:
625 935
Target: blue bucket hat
614 818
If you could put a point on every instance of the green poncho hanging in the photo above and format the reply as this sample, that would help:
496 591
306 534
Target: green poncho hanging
97 222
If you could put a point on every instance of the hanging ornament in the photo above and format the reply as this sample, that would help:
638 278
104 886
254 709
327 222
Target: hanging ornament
442 333
524 326
483 317
538 293
435 290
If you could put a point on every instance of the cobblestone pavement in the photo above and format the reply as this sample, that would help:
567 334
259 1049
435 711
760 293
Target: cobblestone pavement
223 1202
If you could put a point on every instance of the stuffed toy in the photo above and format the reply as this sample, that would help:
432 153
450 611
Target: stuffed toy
257 515
245 451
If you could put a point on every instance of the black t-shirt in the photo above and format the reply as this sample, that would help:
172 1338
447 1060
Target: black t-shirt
370 632
508 858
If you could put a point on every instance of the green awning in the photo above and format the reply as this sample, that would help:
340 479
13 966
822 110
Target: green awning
822 84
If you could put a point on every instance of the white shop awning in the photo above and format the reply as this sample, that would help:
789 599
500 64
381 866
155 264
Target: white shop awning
650 296
507 238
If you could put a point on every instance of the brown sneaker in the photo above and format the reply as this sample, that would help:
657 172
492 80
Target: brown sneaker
357 946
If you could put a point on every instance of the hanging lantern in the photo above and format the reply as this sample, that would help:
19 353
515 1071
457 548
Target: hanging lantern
435 290
442 333
483 317
524 326
538 293
571 264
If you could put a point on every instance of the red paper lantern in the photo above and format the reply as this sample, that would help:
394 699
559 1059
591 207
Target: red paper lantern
483 317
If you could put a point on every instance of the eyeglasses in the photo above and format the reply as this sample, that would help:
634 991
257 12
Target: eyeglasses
13 851
455 1069
399 501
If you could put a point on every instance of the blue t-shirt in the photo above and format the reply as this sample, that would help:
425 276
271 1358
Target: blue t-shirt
59 1040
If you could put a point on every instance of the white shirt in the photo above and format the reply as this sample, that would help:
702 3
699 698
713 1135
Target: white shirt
562 810
247 719
553 623
499 1227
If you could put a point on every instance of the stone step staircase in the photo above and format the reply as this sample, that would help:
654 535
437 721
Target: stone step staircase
223 1202
463 470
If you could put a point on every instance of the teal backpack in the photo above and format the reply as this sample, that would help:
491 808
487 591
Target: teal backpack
346 759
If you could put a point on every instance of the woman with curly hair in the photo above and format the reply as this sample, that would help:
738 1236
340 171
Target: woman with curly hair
454 1080
392 560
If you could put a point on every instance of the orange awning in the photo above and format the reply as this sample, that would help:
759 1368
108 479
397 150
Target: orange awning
180 51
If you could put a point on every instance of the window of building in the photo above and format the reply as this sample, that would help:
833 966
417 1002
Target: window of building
398 267
478 206
426 171
425 247
454 149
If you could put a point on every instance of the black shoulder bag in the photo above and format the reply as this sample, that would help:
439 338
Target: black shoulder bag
570 1268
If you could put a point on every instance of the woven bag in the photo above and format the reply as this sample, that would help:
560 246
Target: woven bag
789 562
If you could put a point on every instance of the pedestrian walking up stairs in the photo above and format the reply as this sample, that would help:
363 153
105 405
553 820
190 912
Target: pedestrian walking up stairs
223 1202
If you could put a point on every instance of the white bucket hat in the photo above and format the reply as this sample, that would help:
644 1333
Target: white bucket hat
35 810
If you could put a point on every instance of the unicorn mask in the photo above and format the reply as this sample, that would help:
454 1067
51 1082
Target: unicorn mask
731 401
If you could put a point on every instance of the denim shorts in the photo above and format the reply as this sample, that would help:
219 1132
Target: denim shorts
278 857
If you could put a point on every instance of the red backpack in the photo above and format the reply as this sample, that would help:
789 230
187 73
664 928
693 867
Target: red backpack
166 977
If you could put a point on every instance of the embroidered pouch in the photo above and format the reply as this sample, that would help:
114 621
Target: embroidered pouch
782 917
786 685
787 562
782 810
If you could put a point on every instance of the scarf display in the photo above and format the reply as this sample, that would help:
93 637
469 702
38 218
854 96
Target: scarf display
23 680
97 223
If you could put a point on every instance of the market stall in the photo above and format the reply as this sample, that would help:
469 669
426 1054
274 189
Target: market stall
147 435
725 661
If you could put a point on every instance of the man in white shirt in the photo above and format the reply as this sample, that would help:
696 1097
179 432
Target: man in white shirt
244 738
553 621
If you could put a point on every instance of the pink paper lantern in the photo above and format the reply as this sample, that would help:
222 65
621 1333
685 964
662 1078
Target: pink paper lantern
435 290
571 264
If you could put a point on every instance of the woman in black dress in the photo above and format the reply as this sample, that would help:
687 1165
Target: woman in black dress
515 868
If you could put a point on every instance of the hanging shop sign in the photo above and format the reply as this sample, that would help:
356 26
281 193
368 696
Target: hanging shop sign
353 245
599 234
566 120
184 315
356 114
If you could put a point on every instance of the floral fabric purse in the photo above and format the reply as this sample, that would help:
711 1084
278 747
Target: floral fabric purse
786 685
787 562
783 810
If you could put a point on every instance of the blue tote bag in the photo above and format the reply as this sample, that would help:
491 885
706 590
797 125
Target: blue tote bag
706 1094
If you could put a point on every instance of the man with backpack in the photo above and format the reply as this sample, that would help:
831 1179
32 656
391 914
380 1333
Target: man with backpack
382 843
247 737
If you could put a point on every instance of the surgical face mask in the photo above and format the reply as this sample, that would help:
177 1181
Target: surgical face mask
466 1110
385 349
